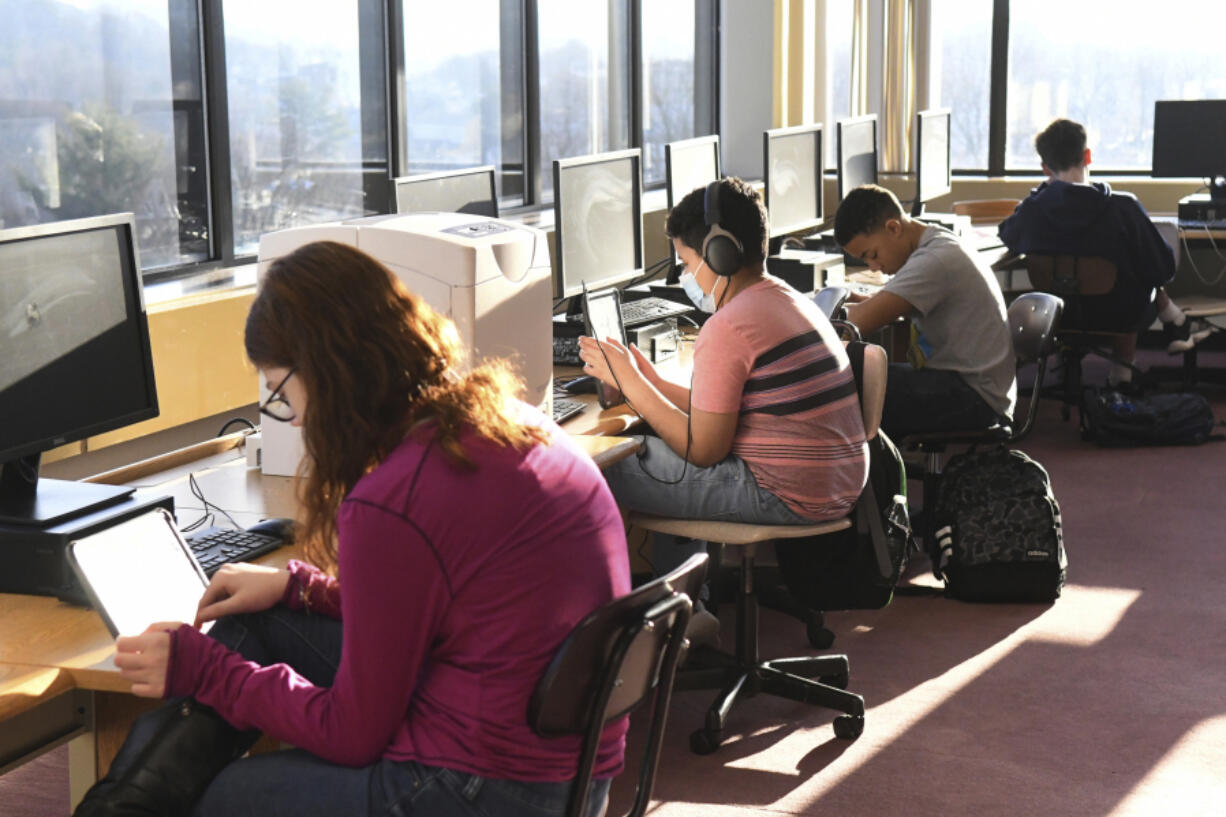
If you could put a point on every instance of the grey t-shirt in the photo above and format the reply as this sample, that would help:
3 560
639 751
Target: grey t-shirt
961 316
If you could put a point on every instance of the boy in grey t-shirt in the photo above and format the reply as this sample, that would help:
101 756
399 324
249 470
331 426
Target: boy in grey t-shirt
965 377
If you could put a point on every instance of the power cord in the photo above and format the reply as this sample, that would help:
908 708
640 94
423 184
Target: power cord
236 420
689 415
1187 251
208 507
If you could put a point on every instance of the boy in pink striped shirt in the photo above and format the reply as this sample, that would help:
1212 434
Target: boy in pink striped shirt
769 430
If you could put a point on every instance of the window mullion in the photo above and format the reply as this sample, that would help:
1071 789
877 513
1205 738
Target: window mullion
217 130
998 105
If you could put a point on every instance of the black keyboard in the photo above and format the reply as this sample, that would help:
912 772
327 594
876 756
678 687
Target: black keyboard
564 409
1198 224
213 547
566 351
649 310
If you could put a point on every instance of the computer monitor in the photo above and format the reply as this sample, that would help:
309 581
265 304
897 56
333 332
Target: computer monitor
688 165
598 221
470 190
793 161
1189 142
856 147
76 360
932 172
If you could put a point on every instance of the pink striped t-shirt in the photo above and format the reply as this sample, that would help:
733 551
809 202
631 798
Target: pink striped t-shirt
771 356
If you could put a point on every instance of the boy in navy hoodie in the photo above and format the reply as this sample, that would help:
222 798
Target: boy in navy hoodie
1067 214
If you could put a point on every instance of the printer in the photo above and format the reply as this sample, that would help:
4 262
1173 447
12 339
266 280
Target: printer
492 278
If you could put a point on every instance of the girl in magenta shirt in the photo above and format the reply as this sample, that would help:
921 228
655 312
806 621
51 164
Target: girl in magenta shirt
455 537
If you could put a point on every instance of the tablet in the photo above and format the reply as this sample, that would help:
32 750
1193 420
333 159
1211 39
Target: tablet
138 573
602 314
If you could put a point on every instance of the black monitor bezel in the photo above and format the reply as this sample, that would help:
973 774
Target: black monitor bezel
920 118
1165 162
851 122
561 290
816 129
488 170
134 298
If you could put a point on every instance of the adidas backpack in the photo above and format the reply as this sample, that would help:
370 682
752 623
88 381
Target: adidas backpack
998 533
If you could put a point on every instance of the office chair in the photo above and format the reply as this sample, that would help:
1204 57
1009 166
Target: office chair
817 680
985 211
1077 280
612 661
832 301
1033 318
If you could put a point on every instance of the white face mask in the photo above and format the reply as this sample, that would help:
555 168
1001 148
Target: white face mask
704 301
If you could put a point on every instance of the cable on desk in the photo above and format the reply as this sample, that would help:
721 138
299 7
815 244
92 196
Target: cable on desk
234 420
208 506
1187 251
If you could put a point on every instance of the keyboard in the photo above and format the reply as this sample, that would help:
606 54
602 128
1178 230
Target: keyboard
214 547
1199 224
651 309
566 351
564 409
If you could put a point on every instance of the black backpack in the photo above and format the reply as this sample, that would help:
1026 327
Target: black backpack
856 569
1113 419
998 532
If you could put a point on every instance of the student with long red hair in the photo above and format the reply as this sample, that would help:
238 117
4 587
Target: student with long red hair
454 537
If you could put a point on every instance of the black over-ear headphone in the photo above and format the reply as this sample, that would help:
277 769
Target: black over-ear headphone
720 249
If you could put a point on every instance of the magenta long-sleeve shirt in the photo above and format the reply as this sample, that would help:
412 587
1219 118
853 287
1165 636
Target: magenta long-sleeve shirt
459 586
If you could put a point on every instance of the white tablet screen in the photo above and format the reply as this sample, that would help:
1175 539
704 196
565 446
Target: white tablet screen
139 572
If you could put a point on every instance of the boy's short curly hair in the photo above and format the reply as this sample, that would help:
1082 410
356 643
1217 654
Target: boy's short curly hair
1062 145
864 210
741 212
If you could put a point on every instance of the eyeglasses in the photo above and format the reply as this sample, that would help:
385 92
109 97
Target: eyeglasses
276 406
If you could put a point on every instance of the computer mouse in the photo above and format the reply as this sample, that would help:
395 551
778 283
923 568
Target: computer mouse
277 526
583 384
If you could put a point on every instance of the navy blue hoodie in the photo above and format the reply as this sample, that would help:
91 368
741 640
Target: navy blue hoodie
1089 219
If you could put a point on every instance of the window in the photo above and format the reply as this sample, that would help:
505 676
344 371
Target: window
217 122
101 112
960 76
584 80
668 81
296 117
460 108
838 70
1104 63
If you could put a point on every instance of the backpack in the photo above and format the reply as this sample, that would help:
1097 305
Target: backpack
1112 419
857 568
998 532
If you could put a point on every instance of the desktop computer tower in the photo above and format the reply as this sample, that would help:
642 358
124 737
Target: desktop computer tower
492 278
32 559
1202 207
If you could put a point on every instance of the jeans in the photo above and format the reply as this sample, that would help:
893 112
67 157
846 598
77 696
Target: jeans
295 783
659 481
919 400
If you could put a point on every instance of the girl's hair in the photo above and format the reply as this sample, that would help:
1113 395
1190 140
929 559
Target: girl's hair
374 360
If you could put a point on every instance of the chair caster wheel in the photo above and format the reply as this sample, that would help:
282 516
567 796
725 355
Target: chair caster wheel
819 636
704 741
848 727
839 680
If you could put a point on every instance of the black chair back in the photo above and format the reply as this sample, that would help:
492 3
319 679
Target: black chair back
614 660
1033 318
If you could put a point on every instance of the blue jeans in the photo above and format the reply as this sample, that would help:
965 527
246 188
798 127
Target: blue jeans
919 400
658 481
295 783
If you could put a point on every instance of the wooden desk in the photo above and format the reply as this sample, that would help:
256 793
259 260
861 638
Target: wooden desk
58 679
